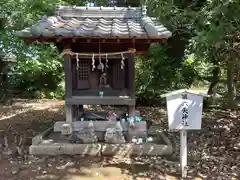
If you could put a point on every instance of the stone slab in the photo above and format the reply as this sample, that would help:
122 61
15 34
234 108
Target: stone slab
126 150
145 149
155 129
65 148
139 130
39 138
165 139
98 125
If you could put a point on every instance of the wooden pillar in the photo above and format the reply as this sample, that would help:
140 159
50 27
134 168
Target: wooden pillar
69 113
80 109
68 74
70 110
131 82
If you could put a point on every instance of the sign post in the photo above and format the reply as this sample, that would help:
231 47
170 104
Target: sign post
183 152
184 109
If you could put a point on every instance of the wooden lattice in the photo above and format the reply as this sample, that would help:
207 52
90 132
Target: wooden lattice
118 75
83 69
83 73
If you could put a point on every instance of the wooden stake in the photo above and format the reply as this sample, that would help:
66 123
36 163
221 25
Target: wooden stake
183 152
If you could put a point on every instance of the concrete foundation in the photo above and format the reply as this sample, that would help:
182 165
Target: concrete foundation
65 148
47 144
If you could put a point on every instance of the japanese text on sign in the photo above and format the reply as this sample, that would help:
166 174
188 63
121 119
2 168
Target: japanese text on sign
184 111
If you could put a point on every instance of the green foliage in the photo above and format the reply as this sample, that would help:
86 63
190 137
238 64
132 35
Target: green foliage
217 40
217 30
40 71
205 35
157 73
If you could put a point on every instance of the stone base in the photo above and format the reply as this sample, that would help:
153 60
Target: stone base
99 125
65 148
139 130
45 144
126 150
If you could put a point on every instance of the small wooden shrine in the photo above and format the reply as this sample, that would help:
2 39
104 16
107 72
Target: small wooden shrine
98 45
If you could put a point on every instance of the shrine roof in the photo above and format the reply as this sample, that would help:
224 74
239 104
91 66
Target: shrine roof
103 22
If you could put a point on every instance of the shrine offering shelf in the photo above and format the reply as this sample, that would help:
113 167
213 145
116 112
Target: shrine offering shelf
106 91
97 100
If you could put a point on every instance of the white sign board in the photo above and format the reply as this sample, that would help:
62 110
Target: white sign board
184 113
184 110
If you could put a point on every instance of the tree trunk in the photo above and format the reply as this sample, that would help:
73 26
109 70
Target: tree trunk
212 90
1 79
230 83
214 81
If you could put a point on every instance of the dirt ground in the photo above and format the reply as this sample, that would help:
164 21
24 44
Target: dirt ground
214 152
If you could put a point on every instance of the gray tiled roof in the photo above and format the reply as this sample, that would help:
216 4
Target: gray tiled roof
97 22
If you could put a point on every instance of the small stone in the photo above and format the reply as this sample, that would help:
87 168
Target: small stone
149 139
142 174
139 141
66 129
168 177
44 172
134 140
161 177
15 171
9 152
68 164
72 170
49 165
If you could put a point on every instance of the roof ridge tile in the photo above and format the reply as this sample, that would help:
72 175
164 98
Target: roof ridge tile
128 23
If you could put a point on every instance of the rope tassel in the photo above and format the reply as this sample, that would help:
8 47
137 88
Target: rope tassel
122 61
77 61
93 63
106 63
101 64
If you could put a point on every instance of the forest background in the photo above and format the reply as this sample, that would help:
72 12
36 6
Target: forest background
203 52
